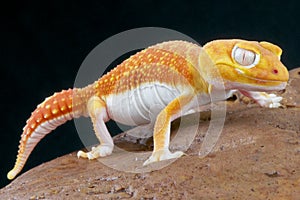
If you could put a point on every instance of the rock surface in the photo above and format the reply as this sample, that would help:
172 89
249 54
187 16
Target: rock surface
256 157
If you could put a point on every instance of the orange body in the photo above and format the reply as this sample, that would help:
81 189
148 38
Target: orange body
178 66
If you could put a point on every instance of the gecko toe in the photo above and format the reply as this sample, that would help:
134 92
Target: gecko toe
81 154
163 155
96 152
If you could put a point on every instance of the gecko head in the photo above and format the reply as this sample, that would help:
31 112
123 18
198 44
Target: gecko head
248 65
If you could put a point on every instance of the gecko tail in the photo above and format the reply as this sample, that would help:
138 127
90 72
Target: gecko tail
53 112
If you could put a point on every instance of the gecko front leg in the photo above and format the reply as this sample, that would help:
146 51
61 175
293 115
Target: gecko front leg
97 111
162 130
263 99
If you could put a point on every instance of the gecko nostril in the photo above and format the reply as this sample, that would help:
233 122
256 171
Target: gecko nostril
275 71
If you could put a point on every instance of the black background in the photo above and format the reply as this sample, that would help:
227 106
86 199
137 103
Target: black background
44 43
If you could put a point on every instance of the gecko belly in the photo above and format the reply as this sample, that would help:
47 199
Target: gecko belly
140 105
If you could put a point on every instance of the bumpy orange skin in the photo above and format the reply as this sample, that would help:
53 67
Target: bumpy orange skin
147 66
58 105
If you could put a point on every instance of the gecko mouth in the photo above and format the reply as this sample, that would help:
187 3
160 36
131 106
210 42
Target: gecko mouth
261 81
267 84
258 84
273 82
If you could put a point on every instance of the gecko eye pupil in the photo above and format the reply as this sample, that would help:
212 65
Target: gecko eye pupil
245 58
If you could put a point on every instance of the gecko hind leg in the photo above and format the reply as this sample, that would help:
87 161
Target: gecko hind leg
97 111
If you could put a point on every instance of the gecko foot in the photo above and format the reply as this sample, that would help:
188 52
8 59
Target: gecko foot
270 101
163 154
96 152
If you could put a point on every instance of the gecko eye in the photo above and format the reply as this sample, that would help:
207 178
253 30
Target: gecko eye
245 58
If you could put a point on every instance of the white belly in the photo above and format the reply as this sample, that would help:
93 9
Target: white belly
141 105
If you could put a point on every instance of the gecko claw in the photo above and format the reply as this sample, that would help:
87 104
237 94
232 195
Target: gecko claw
81 154
163 155
273 101
96 152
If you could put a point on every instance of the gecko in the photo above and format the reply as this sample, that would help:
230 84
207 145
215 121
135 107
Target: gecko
177 75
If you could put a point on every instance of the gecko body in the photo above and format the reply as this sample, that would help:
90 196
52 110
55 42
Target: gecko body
157 85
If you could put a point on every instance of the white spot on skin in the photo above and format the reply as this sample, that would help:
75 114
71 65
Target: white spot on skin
239 71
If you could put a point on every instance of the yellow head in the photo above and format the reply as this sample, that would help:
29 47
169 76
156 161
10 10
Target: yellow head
248 65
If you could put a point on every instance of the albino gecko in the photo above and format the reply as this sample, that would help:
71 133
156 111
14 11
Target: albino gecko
175 75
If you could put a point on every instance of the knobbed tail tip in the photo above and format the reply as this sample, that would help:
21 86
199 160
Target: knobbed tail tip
12 174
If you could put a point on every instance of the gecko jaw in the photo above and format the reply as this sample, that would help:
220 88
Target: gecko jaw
235 85
265 81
